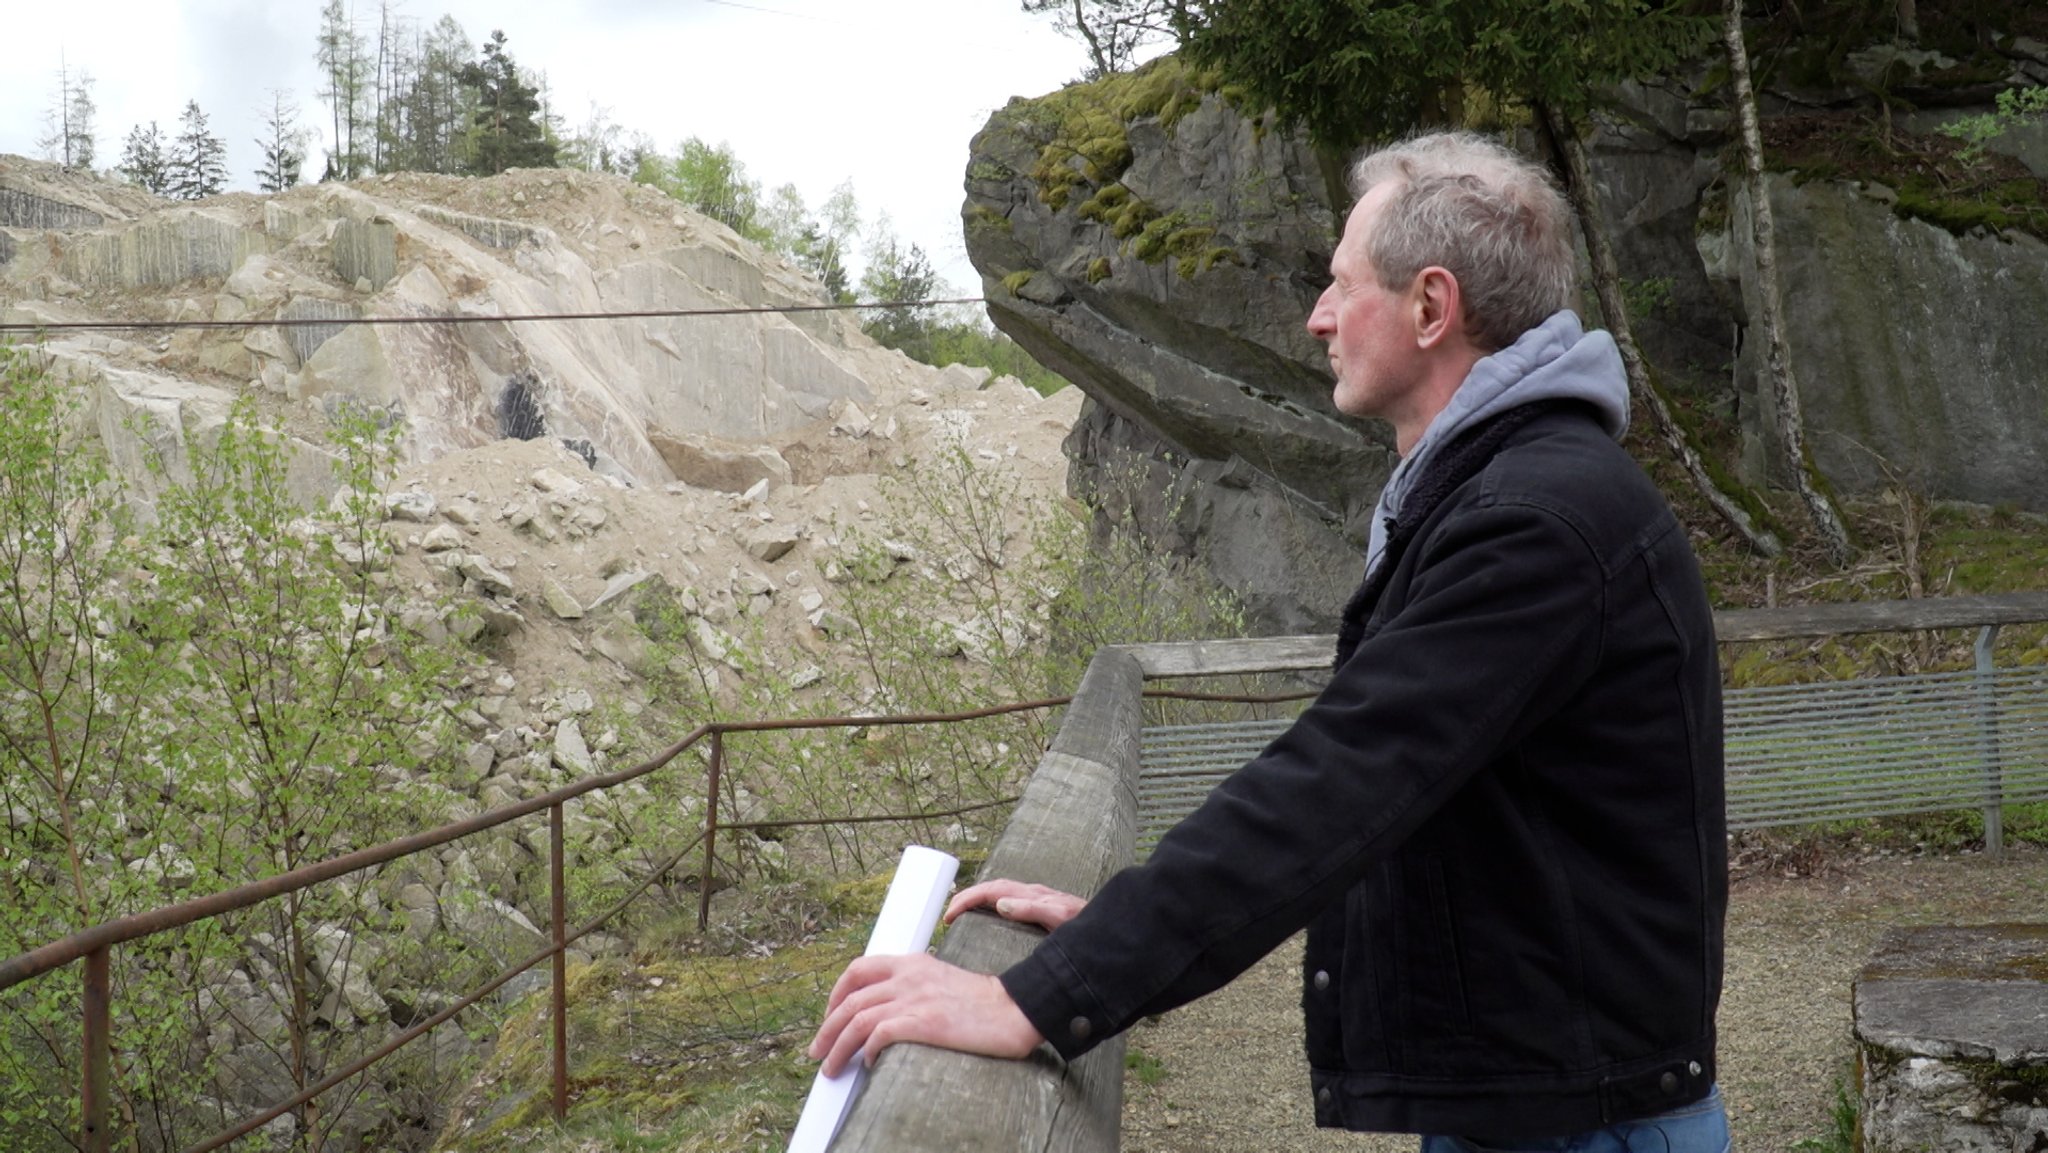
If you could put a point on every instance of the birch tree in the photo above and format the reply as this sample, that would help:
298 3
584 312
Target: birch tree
1791 422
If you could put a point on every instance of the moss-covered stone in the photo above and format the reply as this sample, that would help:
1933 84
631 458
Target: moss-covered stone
1015 282
1098 270
1083 130
982 218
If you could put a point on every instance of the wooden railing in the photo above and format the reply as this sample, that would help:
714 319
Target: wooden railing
1075 826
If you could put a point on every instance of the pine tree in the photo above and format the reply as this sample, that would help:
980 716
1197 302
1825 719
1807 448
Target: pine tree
198 164
283 144
506 119
143 161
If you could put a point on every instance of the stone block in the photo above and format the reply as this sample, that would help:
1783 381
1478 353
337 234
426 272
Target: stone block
723 466
1952 1029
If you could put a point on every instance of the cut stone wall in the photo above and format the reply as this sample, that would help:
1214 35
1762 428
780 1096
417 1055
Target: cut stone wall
26 210
1952 1030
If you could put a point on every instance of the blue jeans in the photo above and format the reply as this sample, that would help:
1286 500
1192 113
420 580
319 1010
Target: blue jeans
1701 1127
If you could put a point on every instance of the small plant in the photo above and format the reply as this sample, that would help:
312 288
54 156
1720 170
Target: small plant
1843 1118
1144 1066
2014 107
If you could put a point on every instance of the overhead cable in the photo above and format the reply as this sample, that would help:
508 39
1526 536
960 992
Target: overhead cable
477 318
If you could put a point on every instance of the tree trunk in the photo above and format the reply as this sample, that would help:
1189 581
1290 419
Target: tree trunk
1607 285
1827 521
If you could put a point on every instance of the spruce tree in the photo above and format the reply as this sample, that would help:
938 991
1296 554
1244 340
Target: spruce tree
506 117
143 161
198 165
283 144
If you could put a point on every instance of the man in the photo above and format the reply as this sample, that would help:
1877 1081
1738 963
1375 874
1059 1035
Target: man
1502 821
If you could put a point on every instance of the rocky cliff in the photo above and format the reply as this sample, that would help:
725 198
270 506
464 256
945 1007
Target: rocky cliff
1157 248
651 400
1162 248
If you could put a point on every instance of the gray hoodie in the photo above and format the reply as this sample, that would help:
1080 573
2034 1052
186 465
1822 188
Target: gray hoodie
1557 359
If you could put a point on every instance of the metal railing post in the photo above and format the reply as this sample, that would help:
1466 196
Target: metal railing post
710 830
95 1079
1993 760
561 983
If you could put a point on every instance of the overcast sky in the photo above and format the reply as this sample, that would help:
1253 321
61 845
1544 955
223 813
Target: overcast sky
809 92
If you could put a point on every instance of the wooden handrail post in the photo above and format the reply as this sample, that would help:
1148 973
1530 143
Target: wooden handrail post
94 1079
710 829
560 913
1075 825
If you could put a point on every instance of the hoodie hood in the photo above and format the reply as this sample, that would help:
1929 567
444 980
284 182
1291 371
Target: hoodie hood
1557 359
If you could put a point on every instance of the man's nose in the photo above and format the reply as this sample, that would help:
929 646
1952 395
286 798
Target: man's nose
1322 319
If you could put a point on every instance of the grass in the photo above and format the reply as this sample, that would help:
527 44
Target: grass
1843 1116
1149 1070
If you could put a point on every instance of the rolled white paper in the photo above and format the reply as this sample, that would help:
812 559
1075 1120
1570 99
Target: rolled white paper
910 913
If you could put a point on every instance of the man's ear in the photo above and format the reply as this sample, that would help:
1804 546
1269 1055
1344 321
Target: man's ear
1439 307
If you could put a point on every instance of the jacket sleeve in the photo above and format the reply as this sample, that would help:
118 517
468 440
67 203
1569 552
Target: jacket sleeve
1499 623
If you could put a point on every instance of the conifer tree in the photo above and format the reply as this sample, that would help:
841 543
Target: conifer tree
506 117
143 161
283 143
198 164
68 135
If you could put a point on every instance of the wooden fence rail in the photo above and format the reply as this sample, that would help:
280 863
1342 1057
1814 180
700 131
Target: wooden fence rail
1076 825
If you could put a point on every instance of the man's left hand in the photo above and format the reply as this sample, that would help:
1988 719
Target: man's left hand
882 1000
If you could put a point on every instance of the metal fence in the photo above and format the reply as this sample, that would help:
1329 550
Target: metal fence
1796 754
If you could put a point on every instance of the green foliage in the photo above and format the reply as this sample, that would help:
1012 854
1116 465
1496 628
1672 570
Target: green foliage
2014 107
1352 73
1149 1070
1647 297
505 123
711 179
143 162
187 705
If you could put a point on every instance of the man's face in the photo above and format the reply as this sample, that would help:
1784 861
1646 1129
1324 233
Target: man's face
1368 328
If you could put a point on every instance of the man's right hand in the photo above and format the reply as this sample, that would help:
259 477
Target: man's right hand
1017 901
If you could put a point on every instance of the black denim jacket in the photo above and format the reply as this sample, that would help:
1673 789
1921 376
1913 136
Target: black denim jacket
1502 821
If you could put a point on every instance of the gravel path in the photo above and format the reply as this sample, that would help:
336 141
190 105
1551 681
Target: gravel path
1230 1076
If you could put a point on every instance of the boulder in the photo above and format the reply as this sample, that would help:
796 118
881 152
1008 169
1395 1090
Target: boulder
724 466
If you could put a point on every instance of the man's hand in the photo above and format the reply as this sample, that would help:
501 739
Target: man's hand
1017 901
882 1000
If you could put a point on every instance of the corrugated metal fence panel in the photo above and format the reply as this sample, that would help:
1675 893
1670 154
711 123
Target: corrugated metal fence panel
1796 754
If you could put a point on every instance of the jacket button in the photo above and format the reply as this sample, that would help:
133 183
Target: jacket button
1080 1028
1668 1082
1322 1097
1322 980
1693 1068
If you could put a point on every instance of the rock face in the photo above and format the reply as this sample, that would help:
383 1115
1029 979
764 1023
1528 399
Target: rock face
1161 249
1166 265
1953 1026
525 244
1919 353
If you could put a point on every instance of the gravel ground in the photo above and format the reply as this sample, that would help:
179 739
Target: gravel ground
1230 1076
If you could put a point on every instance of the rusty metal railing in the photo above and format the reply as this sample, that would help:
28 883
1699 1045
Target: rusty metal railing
94 945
